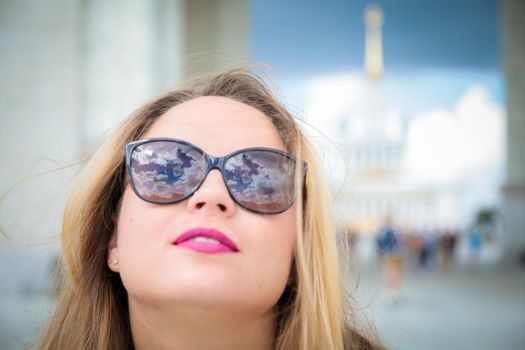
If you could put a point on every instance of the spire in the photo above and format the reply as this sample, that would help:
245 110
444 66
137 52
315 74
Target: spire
374 19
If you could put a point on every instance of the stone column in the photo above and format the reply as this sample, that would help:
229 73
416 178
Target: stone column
118 51
217 35
514 189
39 132
134 49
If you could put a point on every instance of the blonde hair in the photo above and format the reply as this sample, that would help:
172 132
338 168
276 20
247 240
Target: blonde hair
92 311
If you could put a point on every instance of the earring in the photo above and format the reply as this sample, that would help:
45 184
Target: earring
115 262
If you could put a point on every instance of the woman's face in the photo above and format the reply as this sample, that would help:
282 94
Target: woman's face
156 271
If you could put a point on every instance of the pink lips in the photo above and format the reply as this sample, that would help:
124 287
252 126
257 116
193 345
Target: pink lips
205 243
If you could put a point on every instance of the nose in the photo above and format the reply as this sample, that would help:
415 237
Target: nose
212 196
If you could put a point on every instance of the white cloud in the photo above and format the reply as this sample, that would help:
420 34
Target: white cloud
331 99
482 124
463 144
434 151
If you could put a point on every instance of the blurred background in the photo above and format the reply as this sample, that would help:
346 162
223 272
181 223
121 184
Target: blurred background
417 107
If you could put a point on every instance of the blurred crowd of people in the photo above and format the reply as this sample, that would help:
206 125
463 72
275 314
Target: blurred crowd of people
398 250
433 249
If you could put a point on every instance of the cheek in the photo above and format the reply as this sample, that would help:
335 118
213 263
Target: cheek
273 249
139 219
138 239
130 222
277 236
286 236
286 232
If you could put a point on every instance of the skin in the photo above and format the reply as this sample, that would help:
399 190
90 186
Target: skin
182 299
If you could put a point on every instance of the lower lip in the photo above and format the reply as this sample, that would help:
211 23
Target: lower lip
204 247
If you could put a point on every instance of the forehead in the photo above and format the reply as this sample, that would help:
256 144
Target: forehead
218 125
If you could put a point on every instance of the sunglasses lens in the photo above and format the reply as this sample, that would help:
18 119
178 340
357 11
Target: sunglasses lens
261 180
165 171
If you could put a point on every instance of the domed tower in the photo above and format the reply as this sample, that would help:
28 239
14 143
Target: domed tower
374 140
374 133
374 19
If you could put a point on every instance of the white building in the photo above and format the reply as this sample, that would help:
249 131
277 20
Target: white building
374 140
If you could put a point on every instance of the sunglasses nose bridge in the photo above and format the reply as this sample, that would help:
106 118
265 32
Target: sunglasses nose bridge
214 162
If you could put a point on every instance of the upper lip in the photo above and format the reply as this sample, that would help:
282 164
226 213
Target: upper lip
208 233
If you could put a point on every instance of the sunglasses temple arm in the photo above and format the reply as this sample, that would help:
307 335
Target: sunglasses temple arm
305 193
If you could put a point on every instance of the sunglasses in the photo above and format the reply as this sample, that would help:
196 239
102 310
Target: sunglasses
166 171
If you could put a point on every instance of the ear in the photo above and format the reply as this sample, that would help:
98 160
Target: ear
113 252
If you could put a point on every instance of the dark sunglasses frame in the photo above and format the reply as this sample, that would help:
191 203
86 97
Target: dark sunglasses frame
211 163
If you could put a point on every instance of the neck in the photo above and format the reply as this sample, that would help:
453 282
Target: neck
156 326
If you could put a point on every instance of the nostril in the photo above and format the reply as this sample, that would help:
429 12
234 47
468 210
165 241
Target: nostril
222 207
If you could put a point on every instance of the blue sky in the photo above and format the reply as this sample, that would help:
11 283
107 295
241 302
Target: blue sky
434 49
309 36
